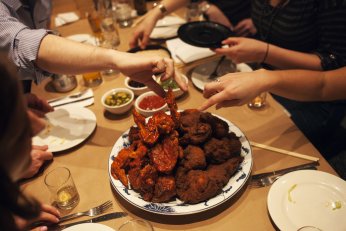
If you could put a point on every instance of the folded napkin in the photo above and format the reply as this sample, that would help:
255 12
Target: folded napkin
64 18
86 99
183 52
166 27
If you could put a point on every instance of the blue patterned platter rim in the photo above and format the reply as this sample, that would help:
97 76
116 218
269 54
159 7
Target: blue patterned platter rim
178 207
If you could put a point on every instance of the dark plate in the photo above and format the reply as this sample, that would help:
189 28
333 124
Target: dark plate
150 47
204 34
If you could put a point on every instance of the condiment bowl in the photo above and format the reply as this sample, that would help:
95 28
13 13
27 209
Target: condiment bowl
148 112
121 109
177 91
136 90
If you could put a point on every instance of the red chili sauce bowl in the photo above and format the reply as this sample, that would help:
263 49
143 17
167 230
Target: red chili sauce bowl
148 103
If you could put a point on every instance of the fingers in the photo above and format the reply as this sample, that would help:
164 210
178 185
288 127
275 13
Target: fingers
50 209
218 97
180 81
169 68
228 103
40 147
46 155
157 88
37 124
145 40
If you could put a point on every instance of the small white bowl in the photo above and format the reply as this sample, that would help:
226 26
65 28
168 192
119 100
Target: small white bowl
118 109
177 91
144 112
136 90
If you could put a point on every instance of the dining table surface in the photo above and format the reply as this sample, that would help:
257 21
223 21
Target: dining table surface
88 161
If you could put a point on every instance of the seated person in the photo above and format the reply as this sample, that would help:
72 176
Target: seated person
18 211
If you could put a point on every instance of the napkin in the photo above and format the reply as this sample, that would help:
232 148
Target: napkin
183 52
166 27
64 18
86 99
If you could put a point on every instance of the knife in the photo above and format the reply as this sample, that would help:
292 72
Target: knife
106 217
311 165
74 101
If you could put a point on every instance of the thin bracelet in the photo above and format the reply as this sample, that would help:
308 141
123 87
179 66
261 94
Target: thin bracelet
266 54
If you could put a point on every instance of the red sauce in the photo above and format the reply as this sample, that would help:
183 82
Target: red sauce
151 102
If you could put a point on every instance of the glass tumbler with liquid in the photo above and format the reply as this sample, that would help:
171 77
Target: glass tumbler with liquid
62 188
123 11
259 101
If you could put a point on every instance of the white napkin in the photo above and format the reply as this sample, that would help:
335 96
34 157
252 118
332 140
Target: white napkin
166 27
64 18
183 52
76 102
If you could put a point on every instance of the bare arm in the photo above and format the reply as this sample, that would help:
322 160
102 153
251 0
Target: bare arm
239 88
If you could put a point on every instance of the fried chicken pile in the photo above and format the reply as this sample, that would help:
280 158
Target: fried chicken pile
190 155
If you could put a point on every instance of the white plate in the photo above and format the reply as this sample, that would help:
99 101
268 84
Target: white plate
312 202
83 38
89 227
200 74
178 207
67 127
167 27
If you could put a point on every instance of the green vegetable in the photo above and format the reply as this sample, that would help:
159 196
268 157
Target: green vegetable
170 83
289 193
336 205
117 99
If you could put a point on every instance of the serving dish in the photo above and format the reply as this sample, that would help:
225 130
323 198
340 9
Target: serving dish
120 109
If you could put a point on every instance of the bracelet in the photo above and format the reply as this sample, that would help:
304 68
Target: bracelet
162 8
205 7
266 54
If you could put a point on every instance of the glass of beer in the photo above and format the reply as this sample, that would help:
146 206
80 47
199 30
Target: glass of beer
62 188
259 101
92 79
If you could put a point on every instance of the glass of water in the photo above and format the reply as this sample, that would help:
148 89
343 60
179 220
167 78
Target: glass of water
123 11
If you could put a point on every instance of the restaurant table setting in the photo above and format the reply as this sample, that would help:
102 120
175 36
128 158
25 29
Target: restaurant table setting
275 187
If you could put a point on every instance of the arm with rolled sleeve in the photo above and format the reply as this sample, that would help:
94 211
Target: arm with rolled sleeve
21 44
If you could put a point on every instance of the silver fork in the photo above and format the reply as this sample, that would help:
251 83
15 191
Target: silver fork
265 181
73 96
91 212
214 74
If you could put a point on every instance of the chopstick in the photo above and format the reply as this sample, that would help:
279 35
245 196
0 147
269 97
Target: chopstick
290 153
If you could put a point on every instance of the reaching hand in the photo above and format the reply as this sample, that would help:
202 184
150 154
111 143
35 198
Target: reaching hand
245 28
141 68
234 89
39 155
243 49
48 214
216 15
39 106
142 32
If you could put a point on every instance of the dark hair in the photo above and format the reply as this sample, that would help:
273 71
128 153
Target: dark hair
12 200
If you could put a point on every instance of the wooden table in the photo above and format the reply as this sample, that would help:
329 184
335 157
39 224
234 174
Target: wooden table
88 162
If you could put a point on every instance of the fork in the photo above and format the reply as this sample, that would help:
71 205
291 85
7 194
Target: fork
91 212
73 96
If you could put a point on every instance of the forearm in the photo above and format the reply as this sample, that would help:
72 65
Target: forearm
303 85
60 55
287 59
169 5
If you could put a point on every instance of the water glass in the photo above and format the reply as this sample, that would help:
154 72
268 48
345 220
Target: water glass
62 188
136 225
259 101
123 13
92 79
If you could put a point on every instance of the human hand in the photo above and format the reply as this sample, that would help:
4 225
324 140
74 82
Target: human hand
216 15
245 28
141 68
39 155
48 214
234 89
140 36
39 106
243 49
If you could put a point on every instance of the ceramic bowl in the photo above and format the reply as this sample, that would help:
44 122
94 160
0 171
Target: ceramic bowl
136 90
121 109
146 112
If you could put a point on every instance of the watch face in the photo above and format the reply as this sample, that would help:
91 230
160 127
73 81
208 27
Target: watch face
204 34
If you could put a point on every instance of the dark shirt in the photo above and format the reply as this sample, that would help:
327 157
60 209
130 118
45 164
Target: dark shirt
316 26
235 10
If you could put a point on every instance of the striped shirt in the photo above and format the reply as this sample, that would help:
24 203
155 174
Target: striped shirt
21 32
311 26
235 10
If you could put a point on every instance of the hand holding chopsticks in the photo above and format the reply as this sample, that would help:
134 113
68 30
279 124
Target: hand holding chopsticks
290 153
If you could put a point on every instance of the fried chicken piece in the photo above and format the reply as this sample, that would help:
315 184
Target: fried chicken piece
164 155
194 186
144 180
194 158
119 164
164 189
196 134
173 108
134 134
163 122
219 127
148 132
220 150
134 178
189 118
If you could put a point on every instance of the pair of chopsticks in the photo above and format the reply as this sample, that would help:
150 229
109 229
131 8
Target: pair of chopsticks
290 153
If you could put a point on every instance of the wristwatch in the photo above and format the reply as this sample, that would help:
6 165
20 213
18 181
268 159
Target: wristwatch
162 8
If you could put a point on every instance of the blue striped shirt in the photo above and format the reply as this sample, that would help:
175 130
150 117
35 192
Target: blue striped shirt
21 32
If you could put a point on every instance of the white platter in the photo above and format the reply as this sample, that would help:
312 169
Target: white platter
200 74
89 227
177 207
308 198
67 127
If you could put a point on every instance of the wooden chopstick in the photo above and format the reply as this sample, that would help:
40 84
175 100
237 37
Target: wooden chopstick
290 153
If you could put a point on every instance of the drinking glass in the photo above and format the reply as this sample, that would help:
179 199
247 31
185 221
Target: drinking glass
123 13
62 188
259 101
136 225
